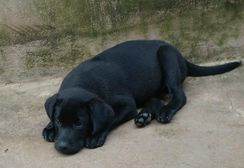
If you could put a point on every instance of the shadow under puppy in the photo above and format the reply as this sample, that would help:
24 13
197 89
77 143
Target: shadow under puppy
106 91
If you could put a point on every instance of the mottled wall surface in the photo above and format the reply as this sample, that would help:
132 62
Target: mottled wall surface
42 38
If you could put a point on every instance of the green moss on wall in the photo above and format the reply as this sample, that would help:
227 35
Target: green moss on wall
92 18
58 34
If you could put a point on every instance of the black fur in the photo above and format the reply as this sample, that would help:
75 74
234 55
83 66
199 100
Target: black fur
106 91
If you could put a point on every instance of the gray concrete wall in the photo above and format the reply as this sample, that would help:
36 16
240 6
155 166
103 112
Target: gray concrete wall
43 38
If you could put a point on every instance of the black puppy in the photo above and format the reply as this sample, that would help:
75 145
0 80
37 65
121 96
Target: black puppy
105 91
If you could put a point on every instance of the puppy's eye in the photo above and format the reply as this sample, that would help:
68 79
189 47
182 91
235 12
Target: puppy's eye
58 123
78 123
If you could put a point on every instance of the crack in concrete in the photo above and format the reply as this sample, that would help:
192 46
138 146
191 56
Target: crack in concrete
232 106
234 109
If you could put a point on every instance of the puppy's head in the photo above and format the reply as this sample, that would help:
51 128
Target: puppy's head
77 114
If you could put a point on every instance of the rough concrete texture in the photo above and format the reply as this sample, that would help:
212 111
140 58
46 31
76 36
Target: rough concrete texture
207 133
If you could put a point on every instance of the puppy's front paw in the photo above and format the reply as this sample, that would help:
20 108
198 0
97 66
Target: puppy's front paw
96 141
142 119
48 133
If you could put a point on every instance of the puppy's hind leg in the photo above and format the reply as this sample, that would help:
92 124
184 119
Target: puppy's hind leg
166 114
174 72
147 114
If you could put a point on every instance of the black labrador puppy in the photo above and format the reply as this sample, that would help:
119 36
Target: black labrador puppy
106 91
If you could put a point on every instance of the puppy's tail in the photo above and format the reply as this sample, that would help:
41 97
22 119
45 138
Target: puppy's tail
195 70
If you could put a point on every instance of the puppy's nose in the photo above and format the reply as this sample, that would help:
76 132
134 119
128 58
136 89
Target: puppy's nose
62 146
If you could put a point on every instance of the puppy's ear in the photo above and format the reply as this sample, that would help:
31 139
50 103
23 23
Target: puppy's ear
101 115
49 105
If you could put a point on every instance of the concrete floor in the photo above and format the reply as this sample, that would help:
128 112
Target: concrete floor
207 133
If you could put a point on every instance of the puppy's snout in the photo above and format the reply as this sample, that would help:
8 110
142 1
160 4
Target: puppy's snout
62 147
66 148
